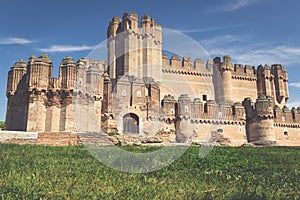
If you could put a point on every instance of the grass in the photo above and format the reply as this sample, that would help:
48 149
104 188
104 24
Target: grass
42 172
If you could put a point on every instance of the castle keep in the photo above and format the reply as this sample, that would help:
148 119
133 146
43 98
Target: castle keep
141 92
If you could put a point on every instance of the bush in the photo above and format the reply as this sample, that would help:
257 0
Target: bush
2 125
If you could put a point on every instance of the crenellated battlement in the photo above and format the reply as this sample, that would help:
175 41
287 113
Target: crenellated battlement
39 73
287 118
130 22
203 111
242 72
186 66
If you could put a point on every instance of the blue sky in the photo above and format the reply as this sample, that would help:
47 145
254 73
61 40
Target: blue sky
250 31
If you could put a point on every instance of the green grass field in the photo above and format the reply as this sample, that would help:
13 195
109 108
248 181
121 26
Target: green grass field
42 172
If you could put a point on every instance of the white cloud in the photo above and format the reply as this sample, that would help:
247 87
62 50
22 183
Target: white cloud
223 39
256 55
296 85
200 30
14 40
66 48
232 5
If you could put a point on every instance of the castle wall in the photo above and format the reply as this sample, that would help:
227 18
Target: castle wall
244 83
16 112
36 112
242 88
287 136
185 78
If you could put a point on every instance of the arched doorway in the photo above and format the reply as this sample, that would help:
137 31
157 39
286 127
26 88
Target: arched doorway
130 123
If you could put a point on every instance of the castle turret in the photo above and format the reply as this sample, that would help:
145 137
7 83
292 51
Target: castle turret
40 72
68 73
134 20
107 90
226 73
93 78
113 26
184 130
168 104
146 21
197 108
15 75
281 84
81 74
17 97
184 105
260 120
265 125
112 29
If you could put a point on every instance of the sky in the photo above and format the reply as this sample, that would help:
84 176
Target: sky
250 31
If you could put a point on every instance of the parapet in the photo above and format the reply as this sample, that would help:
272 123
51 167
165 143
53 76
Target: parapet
44 58
264 107
279 72
186 64
169 99
21 64
244 72
285 117
129 22
67 60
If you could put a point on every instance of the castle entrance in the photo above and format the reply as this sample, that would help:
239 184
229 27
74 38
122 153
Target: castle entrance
130 123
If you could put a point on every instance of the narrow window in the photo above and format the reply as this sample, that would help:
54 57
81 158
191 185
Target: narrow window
123 93
172 111
186 108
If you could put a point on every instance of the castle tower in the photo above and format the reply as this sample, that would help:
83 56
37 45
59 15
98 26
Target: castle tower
114 24
39 76
260 120
226 69
81 74
68 73
108 123
15 75
184 130
265 126
168 104
197 108
107 90
265 79
93 77
281 84
17 97
40 72
133 50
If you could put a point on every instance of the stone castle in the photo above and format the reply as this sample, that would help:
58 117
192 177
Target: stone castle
139 91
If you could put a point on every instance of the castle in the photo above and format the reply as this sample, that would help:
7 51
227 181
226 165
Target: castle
141 91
